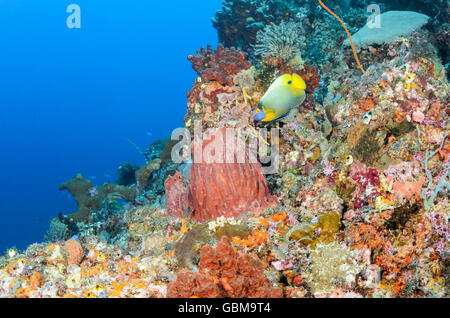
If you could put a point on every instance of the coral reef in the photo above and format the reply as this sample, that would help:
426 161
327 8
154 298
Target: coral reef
356 207
239 20
90 198
154 151
58 230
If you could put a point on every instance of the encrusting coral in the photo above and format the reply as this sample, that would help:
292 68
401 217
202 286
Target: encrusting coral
331 266
224 273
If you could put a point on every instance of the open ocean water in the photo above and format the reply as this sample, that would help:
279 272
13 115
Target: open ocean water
70 98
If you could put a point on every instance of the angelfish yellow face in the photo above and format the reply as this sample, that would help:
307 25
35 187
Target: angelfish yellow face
295 81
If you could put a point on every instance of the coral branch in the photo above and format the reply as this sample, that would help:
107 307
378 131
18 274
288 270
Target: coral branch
348 34
442 183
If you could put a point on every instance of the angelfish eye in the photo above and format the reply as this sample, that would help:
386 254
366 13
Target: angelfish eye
290 82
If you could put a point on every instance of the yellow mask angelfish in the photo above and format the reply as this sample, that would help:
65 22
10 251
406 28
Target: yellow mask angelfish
285 93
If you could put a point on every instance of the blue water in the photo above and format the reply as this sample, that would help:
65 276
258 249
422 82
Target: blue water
70 98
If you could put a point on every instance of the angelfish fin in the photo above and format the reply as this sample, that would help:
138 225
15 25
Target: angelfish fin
283 115
304 97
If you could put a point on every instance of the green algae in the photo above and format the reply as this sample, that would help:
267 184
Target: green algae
187 248
323 231
233 230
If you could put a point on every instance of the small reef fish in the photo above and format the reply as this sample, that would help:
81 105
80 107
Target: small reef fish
100 257
405 42
98 288
410 78
197 108
285 93
409 81
367 118
11 253
93 192
349 160
89 294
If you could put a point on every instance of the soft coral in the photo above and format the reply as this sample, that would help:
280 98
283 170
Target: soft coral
219 65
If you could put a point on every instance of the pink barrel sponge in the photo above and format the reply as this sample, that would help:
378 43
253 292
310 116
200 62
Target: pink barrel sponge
223 188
